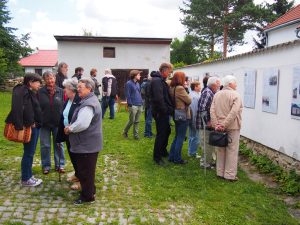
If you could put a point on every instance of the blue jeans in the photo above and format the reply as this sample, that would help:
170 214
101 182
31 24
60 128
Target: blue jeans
148 123
45 142
28 154
108 101
176 147
194 140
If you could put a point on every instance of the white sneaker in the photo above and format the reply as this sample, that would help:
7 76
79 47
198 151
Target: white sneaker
32 182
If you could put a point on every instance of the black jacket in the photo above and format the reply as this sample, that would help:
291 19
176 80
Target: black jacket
25 108
160 99
51 110
61 136
59 80
114 87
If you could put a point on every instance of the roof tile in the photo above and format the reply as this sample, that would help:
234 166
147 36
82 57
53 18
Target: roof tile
41 58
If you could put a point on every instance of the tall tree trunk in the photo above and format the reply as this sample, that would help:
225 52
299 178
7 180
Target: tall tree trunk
212 46
225 34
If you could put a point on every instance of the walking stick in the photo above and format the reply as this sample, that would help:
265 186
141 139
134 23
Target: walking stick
59 156
203 114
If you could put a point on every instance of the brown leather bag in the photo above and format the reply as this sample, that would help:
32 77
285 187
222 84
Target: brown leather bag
22 136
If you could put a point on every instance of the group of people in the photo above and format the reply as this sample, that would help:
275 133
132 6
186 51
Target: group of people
69 110
215 107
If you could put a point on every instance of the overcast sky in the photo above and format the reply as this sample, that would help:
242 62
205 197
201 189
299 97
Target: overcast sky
120 18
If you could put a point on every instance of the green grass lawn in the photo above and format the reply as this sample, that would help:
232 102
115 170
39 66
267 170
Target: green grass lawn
138 184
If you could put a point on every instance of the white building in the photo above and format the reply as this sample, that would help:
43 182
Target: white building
121 54
285 28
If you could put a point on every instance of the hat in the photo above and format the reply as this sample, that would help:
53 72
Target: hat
135 72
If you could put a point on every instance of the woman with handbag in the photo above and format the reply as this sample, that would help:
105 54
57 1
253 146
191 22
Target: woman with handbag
25 114
182 115
226 115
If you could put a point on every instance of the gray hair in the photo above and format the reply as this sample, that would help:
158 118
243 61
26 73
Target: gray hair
70 83
212 80
88 82
229 79
107 71
47 74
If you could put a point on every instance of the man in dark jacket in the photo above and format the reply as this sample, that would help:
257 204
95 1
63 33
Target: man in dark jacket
78 73
51 100
61 74
162 108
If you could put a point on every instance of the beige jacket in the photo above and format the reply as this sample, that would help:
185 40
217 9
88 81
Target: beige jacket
183 100
226 109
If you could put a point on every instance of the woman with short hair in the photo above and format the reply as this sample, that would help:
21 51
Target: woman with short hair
85 135
26 112
70 89
226 115
181 100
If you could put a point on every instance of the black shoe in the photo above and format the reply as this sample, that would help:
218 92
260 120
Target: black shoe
181 162
160 162
125 135
80 202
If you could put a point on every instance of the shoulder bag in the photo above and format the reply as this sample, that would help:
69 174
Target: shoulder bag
22 136
179 114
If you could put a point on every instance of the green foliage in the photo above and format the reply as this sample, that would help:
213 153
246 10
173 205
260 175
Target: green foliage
268 13
12 48
179 64
207 20
289 181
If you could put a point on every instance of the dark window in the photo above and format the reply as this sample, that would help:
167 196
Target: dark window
109 52
38 71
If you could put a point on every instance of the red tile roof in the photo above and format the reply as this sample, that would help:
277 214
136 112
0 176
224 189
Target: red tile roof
43 58
292 14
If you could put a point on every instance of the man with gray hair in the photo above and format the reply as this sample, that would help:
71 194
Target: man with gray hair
109 92
203 116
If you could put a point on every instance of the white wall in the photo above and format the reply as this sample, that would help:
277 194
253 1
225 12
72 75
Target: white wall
32 69
282 35
278 131
128 56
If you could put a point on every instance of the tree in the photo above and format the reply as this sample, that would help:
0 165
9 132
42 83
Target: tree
270 12
12 48
219 21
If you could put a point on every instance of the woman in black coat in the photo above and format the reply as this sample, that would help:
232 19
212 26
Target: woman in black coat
26 112
70 88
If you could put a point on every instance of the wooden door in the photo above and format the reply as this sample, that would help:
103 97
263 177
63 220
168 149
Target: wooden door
122 76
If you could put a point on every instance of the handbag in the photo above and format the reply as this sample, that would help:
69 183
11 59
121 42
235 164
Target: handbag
179 114
218 139
22 136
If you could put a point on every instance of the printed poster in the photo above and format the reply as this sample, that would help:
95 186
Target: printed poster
270 90
250 88
295 106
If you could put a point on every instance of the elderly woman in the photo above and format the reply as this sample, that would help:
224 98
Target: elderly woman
181 100
226 115
25 111
70 88
51 100
85 135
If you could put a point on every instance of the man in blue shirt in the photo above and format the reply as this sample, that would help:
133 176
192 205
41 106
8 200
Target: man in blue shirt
135 103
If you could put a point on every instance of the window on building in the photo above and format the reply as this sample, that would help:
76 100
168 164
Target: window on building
38 71
109 52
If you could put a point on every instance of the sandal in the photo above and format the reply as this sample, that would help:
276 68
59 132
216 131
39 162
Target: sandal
45 171
60 170
72 178
76 186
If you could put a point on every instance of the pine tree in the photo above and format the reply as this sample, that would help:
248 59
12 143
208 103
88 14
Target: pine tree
219 21
12 48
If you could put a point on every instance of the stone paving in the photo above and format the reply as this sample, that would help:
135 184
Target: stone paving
51 203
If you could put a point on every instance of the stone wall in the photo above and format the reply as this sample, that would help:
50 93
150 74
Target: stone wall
10 83
285 161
